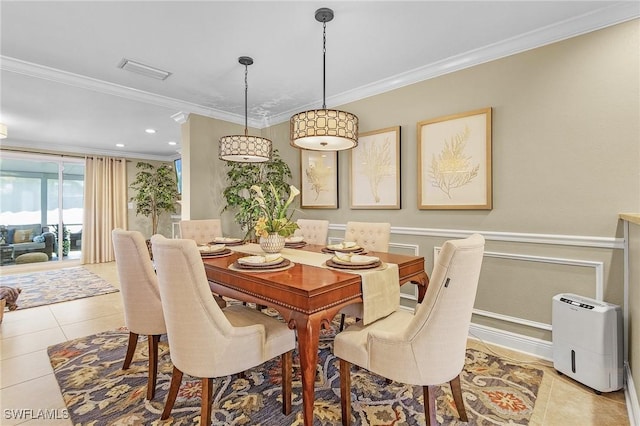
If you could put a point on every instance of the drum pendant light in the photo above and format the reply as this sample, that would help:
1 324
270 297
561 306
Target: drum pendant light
324 129
244 148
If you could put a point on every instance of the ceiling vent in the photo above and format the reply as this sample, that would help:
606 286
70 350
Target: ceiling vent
142 69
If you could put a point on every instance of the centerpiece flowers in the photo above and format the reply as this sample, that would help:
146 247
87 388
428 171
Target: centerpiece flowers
274 223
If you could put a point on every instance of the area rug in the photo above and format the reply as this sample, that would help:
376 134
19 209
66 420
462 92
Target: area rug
55 286
98 392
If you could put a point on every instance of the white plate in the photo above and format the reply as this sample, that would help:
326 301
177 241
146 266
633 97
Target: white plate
212 249
226 240
355 260
261 260
294 240
344 246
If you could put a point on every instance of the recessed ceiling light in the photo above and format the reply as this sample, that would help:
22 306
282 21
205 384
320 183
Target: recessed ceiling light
173 143
150 131
120 145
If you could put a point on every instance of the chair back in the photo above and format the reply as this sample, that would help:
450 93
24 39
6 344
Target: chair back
369 235
201 231
202 340
313 231
138 283
439 329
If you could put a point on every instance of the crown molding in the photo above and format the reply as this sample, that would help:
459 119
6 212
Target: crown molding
607 16
43 72
82 151
612 14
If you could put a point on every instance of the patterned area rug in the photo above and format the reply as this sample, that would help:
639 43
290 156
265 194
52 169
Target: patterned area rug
98 392
55 286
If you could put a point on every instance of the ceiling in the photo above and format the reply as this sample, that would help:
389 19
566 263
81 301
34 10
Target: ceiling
61 88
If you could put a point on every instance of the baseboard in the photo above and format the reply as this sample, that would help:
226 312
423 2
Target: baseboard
631 397
517 342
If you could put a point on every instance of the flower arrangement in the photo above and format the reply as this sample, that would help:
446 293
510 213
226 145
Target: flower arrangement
275 217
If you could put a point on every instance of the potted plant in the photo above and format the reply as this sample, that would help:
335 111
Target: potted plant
156 192
274 223
242 176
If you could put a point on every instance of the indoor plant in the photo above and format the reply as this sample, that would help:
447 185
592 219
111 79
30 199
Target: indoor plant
156 192
241 177
274 223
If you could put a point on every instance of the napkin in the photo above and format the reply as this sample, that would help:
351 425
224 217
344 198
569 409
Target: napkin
211 249
226 239
297 239
257 260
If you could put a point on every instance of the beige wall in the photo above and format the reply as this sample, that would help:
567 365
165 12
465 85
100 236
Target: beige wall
634 303
566 161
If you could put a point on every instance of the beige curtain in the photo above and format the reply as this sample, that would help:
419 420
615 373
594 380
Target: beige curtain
105 206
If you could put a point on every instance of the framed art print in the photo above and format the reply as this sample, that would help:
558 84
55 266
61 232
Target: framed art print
319 175
454 162
375 170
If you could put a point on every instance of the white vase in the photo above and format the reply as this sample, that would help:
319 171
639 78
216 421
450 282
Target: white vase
272 243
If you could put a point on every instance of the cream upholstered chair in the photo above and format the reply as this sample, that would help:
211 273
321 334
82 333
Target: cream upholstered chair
369 235
313 231
206 341
201 231
426 348
140 298
372 237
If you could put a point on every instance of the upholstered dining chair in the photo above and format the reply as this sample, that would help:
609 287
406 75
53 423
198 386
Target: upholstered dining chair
206 341
140 298
202 231
426 348
314 231
371 236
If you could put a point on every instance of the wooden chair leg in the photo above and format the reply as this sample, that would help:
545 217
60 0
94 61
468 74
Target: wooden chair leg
342 316
153 365
205 404
429 396
456 391
176 379
345 392
287 367
131 348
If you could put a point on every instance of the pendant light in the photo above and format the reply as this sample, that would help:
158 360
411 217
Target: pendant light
244 148
324 129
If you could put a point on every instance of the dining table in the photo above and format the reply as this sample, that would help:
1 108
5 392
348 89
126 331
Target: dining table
307 297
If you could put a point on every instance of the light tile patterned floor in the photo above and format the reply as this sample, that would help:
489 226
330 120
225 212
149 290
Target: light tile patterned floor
27 382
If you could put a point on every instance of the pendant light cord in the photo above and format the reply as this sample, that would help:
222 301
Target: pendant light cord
246 91
324 63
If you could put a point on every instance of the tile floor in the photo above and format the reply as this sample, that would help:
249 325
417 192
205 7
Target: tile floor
28 385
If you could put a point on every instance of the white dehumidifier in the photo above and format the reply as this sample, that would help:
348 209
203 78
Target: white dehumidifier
587 341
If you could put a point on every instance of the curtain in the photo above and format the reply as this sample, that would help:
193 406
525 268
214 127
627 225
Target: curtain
105 206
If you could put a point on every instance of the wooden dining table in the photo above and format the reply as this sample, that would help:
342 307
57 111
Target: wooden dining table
307 298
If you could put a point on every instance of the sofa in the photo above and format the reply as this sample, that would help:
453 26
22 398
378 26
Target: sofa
30 238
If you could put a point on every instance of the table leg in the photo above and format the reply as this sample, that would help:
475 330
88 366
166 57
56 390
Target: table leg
308 328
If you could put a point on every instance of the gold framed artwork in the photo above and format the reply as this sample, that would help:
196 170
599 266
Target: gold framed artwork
375 170
454 162
319 176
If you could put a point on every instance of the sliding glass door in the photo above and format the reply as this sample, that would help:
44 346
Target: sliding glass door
41 208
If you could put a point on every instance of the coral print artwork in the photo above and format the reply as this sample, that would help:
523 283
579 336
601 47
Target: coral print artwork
375 170
319 176
455 162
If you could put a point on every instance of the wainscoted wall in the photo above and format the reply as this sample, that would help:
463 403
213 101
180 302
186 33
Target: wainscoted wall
520 275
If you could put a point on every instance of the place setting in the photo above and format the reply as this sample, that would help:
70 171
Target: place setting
354 261
343 247
294 242
228 241
213 250
262 263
